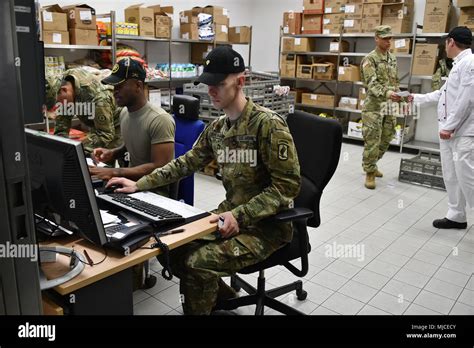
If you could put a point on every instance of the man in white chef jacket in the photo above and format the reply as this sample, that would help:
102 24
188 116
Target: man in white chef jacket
456 128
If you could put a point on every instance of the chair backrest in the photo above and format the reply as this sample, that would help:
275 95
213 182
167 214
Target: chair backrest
318 144
188 129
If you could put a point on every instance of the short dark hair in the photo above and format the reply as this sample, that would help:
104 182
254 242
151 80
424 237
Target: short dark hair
462 46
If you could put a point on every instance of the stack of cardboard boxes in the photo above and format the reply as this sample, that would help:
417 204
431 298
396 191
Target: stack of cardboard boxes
144 17
333 18
163 16
353 12
436 18
79 19
466 17
399 16
312 16
189 23
240 34
371 15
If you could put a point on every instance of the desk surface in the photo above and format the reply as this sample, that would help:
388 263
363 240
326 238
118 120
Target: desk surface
115 262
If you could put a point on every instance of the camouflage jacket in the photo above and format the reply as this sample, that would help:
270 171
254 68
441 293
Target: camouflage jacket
259 166
98 112
442 71
379 74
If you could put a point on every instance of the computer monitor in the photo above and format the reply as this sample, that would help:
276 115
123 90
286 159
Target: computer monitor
61 186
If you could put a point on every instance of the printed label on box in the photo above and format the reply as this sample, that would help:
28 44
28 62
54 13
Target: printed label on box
224 29
314 97
328 10
326 21
297 41
291 15
286 30
225 12
326 31
57 38
237 30
184 19
350 9
348 23
47 16
334 46
341 70
400 43
185 36
85 15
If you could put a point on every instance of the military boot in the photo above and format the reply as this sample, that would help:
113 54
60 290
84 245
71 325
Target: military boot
378 174
370 181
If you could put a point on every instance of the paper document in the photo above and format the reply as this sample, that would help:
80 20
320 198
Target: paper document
90 162
108 218
403 94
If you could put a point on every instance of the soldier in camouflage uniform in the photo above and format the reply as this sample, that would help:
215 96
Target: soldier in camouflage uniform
380 77
254 189
80 86
444 67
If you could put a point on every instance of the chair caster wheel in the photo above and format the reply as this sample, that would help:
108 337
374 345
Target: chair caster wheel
150 282
233 285
301 295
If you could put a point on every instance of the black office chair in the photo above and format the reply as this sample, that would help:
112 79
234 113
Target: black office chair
318 143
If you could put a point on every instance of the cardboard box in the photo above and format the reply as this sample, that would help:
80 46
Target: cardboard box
297 93
288 44
324 71
436 17
336 46
399 16
349 73
124 28
53 18
215 11
288 65
142 16
313 6
189 31
199 52
465 3
240 35
188 17
398 135
221 33
80 17
83 37
466 17
369 24
334 6
56 37
304 67
324 100
352 25
348 103
425 59
332 23
354 129
372 11
303 44
312 24
163 25
353 11
292 23
401 46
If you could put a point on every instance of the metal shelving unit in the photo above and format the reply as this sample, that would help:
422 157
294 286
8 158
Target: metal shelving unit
77 47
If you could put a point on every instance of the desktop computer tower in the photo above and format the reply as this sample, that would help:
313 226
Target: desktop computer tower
19 277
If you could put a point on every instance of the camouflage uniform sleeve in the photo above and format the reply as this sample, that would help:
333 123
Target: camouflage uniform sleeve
196 158
103 131
62 125
279 155
369 75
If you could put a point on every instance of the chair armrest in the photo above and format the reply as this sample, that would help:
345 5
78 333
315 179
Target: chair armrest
294 214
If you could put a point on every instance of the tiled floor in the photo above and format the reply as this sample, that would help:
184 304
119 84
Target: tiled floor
408 267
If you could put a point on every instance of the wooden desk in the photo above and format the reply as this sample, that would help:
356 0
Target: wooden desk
107 282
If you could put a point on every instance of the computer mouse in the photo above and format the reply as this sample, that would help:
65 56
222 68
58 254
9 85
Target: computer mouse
111 189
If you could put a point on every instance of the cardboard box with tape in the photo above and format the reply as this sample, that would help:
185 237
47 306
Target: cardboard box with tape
332 23
425 59
80 17
83 37
288 65
312 24
304 67
336 46
292 23
348 103
303 44
401 46
240 34
324 71
349 73
313 6
144 17
163 20
288 44
199 52
436 18
466 17
53 18
56 37
353 10
334 6
323 100
189 31
352 26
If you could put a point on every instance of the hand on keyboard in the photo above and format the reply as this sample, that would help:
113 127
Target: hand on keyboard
128 186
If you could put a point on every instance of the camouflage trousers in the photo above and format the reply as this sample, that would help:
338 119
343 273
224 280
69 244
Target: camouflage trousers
378 130
200 264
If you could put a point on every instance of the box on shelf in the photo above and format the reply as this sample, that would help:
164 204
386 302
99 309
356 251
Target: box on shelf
425 59
336 46
353 10
53 18
297 94
372 11
221 32
348 103
215 11
144 17
362 96
124 28
354 129
332 23
369 24
349 73
199 52
80 17
288 44
188 17
163 21
288 65
436 18
303 44
334 6
312 24
83 37
397 140
189 31
401 46
465 3
324 100
56 37
399 16
313 6
292 23
240 34
324 71
304 67
352 25
466 17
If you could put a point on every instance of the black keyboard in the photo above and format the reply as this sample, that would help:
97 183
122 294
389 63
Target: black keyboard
144 207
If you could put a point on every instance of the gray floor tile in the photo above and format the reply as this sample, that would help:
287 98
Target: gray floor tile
467 297
343 304
462 309
401 290
434 302
370 310
393 258
458 266
140 295
411 278
323 311
389 303
437 248
170 296
317 293
343 269
429 257
358 291
421 267
452 277
305 306
443 288
371 279
329 280
415 309
151 306
382 268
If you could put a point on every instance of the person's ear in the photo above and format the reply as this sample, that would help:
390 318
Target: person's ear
241 81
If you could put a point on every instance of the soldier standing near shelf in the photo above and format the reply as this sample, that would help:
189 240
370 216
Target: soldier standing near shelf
80 93
379 74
